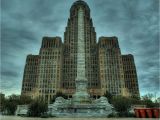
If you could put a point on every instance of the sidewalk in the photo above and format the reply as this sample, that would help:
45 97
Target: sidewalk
29 118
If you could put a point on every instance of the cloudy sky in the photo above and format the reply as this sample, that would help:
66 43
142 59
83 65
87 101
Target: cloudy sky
25 22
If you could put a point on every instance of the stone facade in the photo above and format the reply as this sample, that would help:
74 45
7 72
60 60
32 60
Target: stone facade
111 66
130 75
50 67
42 74
55 68
30 77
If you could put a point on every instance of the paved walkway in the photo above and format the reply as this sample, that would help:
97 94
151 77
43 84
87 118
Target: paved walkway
28 118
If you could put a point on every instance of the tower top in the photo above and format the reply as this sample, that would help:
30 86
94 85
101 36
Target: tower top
80 3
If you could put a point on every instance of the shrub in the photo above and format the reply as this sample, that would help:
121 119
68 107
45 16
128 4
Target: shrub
37 108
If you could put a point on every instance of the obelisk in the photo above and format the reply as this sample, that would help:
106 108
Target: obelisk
81 95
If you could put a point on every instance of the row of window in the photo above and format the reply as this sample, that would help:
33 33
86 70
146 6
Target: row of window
33 60
130 76
130 72
50 57
26 89
128 67
52 52
46 91
68 84
130 60
28 84
30 77
31 68
52 44
31 63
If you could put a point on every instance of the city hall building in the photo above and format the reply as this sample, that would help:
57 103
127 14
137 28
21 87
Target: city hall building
55 68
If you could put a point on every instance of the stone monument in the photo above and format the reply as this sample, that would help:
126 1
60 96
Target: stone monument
81 104
81 95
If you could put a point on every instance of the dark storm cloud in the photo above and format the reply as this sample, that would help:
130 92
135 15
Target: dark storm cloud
9 73
23 24
134 22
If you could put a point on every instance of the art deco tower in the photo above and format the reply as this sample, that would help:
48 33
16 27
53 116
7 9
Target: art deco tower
70 49
56 68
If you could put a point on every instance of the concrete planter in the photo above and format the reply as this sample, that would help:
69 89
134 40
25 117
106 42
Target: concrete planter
147 112
156 113
137 113
142 113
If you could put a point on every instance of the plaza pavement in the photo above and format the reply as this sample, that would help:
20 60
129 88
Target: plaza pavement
28 118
